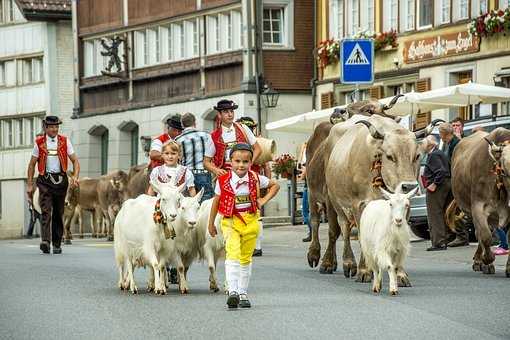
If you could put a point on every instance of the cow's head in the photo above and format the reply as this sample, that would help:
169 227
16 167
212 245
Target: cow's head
188 209
399 205
170 197
399 154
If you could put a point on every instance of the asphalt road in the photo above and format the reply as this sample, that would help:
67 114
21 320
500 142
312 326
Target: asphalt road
74 296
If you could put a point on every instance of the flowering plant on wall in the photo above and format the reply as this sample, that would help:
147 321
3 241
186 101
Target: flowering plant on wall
328 52
491 23
284 166
381 39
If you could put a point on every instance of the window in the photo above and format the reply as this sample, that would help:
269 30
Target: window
445 11
273 26
408 15
483 8
425 13
353 19
336 19
390 16
2 73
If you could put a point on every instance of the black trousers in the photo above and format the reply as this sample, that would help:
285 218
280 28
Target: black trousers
52 196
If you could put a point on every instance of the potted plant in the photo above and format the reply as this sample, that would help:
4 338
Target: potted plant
284 166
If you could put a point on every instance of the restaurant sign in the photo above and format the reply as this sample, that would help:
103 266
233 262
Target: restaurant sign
444 45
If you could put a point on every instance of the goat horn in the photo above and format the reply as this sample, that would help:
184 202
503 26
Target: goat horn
392 102
373 131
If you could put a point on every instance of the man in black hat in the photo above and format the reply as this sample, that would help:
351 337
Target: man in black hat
50 153
227 134
174 130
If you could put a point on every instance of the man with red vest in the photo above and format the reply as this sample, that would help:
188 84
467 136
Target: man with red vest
50 153
217 160
174 130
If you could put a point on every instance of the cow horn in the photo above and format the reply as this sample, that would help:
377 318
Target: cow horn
422 133
392 102
373 131
493 148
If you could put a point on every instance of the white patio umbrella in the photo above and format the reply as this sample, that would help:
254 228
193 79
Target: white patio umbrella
465 95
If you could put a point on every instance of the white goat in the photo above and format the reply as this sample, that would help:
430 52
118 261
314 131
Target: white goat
189 240
138 240
214 247
385 236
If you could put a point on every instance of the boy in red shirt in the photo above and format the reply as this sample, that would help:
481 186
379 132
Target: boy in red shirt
237 200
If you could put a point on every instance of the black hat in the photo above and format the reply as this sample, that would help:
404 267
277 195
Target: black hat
241 147
248 121
174 122
52 120
225 104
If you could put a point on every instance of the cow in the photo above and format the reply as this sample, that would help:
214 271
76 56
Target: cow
111 193
358 156
480 186
82 198
138 180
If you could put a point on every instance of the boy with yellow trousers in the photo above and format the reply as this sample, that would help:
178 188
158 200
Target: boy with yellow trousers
237 201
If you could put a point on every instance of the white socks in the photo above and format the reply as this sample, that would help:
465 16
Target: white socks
232 273
258 245
244 279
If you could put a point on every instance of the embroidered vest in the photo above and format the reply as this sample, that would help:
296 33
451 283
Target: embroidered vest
43 153
228 197
180 175
163 138
221 147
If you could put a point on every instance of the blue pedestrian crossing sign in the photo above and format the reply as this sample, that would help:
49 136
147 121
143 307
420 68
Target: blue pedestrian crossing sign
357 57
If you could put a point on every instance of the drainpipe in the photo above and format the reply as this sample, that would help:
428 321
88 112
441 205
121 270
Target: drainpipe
313 83
76 69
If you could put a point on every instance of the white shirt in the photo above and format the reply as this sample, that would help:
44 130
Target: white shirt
157 145
53 163
229 138
173 174
242 191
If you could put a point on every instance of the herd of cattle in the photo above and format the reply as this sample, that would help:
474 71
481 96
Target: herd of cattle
363 150
362 165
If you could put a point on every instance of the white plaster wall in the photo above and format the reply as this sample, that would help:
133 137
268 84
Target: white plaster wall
14 210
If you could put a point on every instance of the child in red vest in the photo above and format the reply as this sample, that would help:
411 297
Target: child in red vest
237 200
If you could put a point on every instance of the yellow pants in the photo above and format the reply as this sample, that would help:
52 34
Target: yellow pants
240 238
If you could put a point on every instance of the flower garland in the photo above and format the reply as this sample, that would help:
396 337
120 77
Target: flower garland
491 23
328 51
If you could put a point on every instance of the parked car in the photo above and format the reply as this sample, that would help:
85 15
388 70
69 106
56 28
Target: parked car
418 214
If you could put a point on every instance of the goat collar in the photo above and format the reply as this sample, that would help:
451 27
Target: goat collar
160 219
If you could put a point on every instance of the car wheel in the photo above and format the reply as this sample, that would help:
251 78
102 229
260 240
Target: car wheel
421 230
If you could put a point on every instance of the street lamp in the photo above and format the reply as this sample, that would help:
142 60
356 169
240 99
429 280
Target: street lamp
270 96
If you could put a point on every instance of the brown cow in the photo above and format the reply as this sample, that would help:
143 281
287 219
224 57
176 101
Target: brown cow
138 180
111 193
480 185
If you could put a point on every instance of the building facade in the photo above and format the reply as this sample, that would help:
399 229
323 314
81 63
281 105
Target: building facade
184 56
422 45
36 79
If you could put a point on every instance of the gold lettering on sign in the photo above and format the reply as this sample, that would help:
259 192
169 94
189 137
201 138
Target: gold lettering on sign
445 45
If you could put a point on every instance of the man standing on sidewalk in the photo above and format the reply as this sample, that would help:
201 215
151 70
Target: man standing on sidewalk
50 153
194 145
437 174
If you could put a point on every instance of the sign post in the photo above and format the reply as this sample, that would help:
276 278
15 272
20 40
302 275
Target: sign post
357 57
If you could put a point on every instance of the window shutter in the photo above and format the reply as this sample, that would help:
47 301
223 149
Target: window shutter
423 118
327 100
423 85
376 92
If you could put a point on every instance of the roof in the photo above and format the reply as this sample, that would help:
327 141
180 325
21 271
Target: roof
45 9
